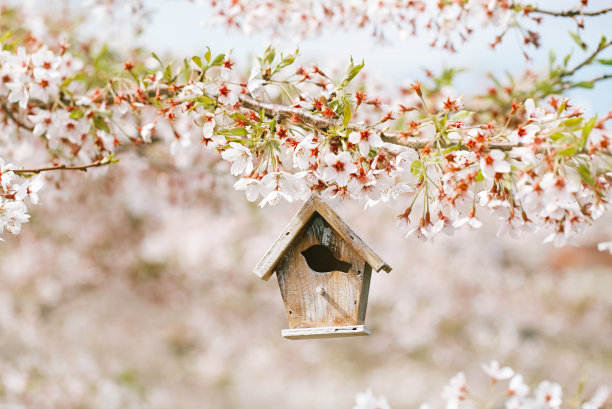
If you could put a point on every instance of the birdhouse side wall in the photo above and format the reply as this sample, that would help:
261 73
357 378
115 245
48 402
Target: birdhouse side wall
323 299
365 291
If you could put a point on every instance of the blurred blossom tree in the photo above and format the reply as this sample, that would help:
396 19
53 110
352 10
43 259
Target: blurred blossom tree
522 151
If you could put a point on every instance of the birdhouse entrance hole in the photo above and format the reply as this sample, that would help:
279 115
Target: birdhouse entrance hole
321 259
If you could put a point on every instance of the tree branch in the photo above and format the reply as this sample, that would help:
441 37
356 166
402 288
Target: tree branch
397 138
98 163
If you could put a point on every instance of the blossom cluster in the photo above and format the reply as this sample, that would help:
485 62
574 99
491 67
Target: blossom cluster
289 130
548 167
15 191
447 22
515 392
52 105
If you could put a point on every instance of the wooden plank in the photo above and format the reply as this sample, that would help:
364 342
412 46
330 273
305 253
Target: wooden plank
365 290
312 299
360 246
326 332
265 267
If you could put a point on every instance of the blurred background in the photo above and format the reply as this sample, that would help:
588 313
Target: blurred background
132 287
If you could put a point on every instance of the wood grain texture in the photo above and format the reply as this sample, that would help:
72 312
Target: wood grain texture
350 236
265 267
268 264
339 303
326 332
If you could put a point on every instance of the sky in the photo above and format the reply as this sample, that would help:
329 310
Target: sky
180 28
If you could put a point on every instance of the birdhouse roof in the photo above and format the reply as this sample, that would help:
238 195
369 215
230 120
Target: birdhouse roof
265 267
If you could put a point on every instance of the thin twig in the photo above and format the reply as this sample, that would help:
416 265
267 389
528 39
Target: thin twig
15 119
588 60
83 168
592 80
571 13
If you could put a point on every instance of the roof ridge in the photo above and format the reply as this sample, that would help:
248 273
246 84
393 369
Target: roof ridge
265 267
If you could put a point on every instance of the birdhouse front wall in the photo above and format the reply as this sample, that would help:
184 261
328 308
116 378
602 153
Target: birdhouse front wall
323 299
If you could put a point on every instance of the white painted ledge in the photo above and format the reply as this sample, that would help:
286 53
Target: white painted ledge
326 332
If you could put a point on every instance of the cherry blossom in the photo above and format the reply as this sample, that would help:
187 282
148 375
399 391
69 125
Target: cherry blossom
494 163
496 372
455 391
12 215
241 158
517 387
365 139
549 394
339 167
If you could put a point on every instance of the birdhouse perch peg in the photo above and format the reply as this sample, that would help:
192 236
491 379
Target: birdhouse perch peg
323 270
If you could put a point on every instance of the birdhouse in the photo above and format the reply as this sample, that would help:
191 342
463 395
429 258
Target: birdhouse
323 270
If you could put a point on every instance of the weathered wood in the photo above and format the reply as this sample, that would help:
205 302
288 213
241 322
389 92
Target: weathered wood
267 265
339 302
360 246
323 270
326 332
365 290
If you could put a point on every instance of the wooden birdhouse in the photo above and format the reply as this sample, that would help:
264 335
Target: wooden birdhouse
323 270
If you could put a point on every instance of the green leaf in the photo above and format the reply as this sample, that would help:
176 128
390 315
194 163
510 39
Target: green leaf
561 108
207 55
462 115
101 124
416 167
269 55
479 176
218 60
237 116
556 136
109 159
569 151
234 132
197 60
288 60
347 113
584 84
588 127
573 123
585 174
168 73
351 73
5 36
605 62
602 42
76 114
157 58
578 40
205 99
